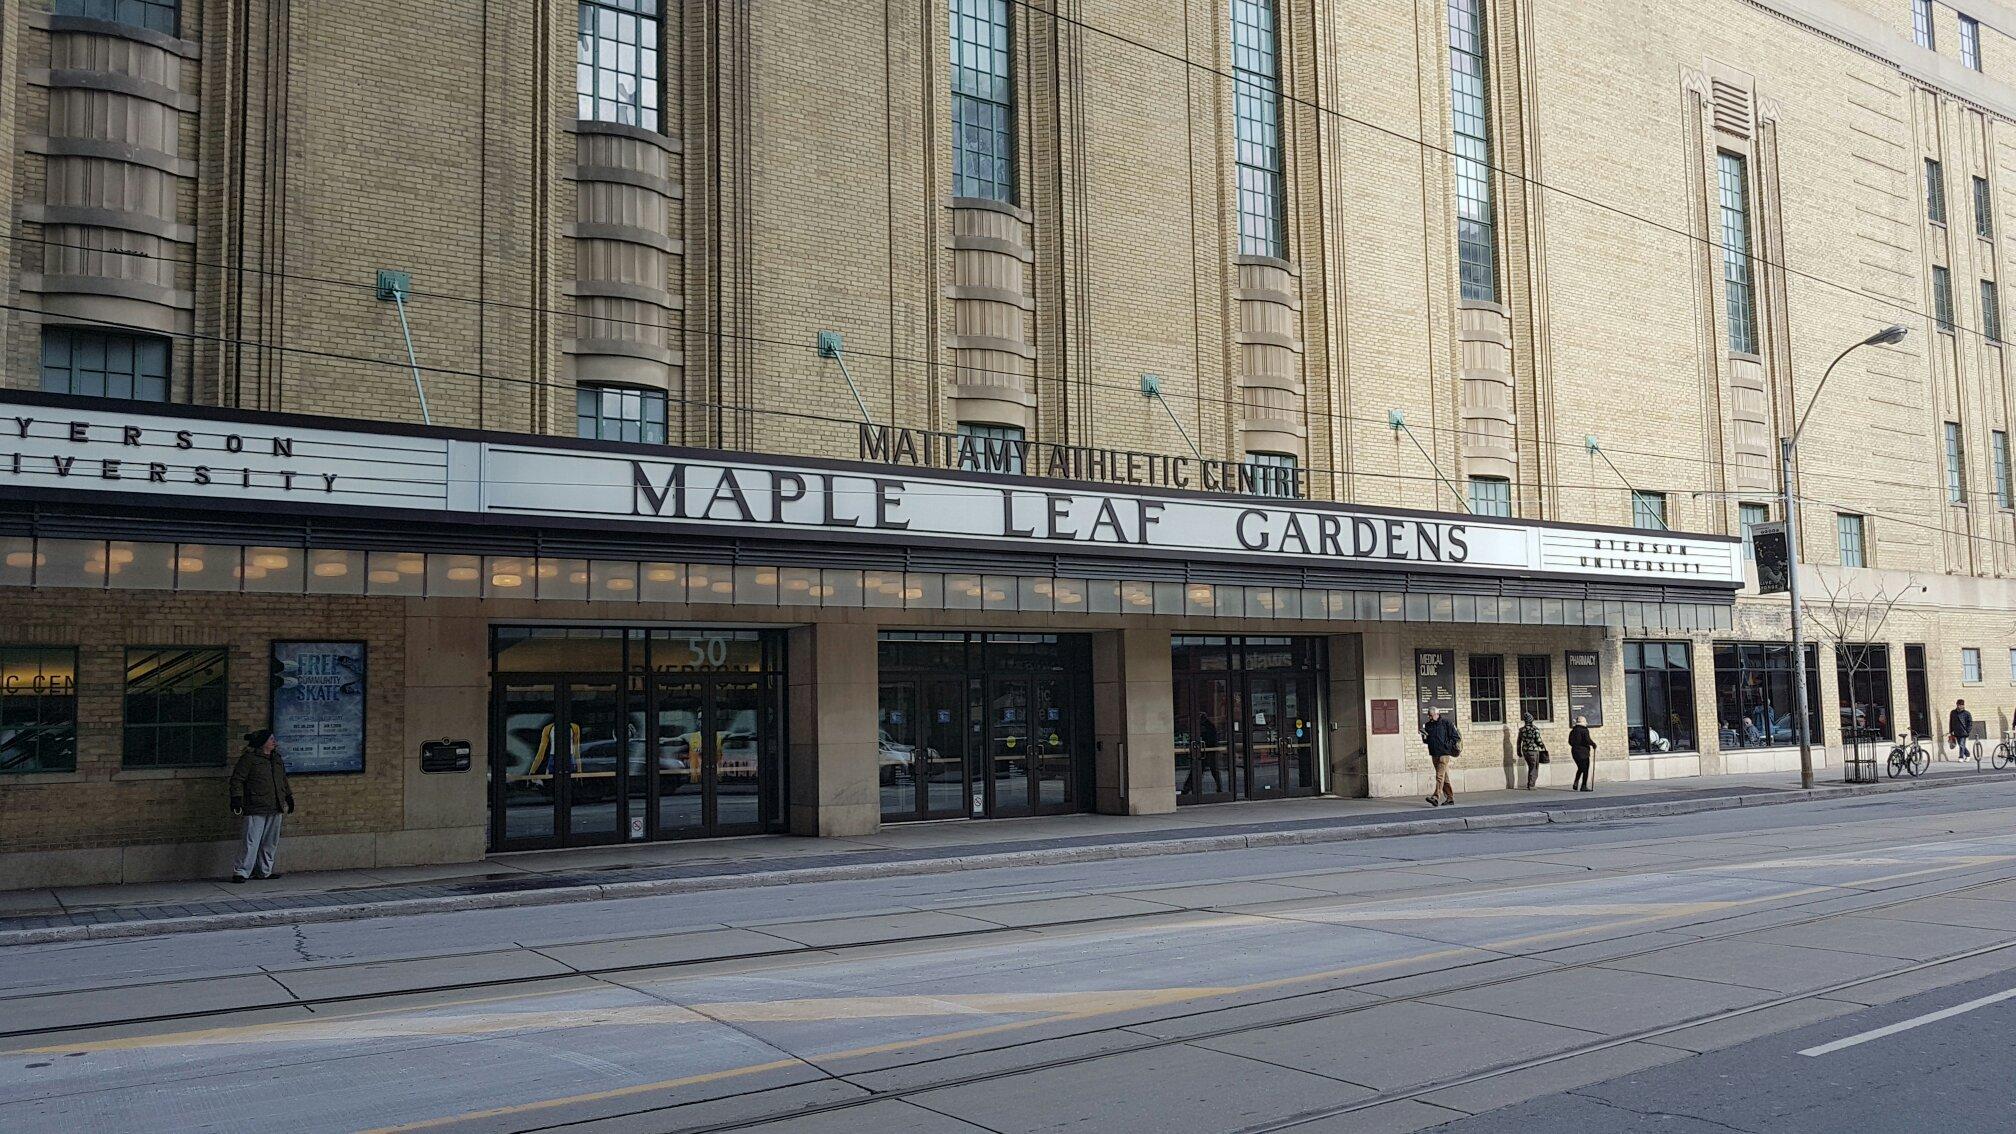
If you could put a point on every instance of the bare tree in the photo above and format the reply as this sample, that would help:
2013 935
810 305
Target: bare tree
1851 618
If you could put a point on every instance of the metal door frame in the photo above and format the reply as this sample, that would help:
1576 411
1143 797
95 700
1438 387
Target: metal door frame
710 755
561 801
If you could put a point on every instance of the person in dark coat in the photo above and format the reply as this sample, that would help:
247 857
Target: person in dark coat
1582 746
259 792
1531 748
1444 744
1959 726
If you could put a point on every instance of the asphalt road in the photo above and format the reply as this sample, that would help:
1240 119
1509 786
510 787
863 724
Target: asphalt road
1663 974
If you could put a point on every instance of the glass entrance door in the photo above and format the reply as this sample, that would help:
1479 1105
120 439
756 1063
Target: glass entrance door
712 736
559 764
921 749
1206 732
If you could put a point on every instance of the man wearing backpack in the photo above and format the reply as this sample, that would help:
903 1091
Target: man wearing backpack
1444 744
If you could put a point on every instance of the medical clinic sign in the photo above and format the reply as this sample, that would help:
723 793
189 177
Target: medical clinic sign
62 444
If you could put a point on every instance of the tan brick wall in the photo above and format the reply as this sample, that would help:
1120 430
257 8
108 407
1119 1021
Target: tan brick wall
103 804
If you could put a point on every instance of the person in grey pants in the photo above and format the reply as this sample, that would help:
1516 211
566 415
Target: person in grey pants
259 792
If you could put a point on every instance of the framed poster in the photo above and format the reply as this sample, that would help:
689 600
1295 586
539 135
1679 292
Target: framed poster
1585 687
1434 683
318 706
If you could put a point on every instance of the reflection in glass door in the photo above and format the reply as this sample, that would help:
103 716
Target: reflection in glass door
1011 761
1206 727
1263 738
1247 717
592 780
678 716
558 769
523 783
736 713
921 747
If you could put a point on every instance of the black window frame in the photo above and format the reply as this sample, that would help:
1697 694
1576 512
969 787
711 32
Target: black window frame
1935 191
1536 687
1470 129
76 344
38 716
1942 298
1260 187
1754 686
164 16
1670 686
1970 42
984 135
1870 687
1000 448
643 21
207 733
1922 31
1487 689
1497 503
1991 311
648 431
1984 209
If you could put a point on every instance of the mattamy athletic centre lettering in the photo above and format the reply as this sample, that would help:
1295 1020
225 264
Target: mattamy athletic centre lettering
75 447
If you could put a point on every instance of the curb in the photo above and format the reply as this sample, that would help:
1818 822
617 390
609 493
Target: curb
1201 844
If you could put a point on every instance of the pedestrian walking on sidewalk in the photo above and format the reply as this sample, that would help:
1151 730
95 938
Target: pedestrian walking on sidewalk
1582 746
1444 744
259 792
1959 727
1532 749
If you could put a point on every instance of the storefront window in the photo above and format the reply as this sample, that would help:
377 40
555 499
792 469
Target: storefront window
1755 705
1659 697
38 709
176 708
1862 676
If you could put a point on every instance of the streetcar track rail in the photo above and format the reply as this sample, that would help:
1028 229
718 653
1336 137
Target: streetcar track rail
1150 1043
1457 888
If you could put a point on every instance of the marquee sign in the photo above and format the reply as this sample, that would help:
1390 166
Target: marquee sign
299 462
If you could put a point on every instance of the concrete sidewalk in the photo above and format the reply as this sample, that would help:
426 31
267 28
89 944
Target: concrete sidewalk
551 877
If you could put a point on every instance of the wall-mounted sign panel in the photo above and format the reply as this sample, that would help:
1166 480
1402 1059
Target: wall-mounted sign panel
300 462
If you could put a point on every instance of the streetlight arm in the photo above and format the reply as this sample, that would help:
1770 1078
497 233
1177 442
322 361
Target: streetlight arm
1815 399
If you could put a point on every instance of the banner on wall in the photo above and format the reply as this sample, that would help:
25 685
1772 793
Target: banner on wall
1434 683
1585 687
318 706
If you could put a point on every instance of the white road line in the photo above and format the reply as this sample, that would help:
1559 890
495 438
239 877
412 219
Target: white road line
1907 1025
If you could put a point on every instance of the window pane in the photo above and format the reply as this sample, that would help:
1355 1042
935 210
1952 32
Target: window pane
617 76
1470 121
38 709
1935 192
1490 496
992 448
983 141
619 413
1271 474
1256 131
176 707
1487 689
1659 698
1733 179
104 364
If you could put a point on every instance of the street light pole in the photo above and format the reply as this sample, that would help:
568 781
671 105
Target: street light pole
1786 446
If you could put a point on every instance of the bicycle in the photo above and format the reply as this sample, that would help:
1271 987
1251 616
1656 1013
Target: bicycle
1908 756
2005 754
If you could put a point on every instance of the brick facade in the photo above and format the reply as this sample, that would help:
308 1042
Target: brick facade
803 173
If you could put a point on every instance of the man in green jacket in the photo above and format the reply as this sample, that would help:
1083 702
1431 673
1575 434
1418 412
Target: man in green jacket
260 793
